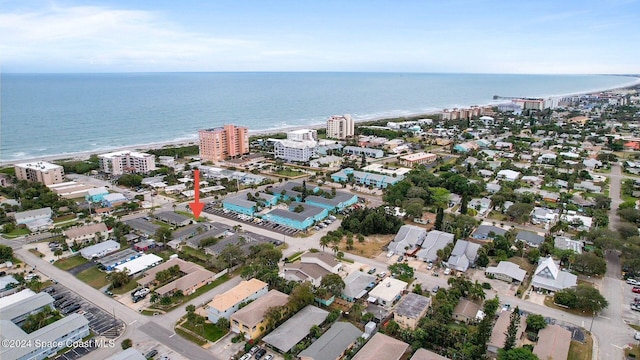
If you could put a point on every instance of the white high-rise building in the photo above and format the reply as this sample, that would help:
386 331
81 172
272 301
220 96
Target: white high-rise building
340 127
302 135
121 162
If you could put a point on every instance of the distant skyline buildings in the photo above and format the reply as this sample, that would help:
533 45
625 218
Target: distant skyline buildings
456 36
221 143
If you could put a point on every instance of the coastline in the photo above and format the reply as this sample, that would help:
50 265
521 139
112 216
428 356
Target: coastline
83 155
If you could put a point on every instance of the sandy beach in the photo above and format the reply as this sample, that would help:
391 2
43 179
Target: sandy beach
176 143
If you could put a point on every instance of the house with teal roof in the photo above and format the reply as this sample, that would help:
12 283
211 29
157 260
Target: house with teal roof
298 220
240 204
96 195
366 178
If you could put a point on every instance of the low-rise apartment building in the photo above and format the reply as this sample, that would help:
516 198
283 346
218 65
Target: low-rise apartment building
227 303
41 171
250 319
123 162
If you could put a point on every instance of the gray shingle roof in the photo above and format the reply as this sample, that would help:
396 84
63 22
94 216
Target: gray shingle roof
412 305
287 335
333 342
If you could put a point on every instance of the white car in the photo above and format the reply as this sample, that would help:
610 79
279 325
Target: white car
447 271
637 335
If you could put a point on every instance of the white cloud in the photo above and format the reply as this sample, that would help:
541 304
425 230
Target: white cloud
96 37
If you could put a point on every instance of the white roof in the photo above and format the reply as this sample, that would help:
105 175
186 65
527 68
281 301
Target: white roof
114 197
137 265
296 144
93 250
418 156
388 289
123 153
39 165
17 297
509 174
97 191
509 269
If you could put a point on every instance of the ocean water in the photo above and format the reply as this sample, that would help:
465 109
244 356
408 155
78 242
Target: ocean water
52 114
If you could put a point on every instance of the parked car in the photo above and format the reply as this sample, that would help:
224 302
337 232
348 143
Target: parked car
400 258
260 353
435 289
246 357
636 289
631 281
371 271
151 354
447 271
382 274
268 357
637 335
254 349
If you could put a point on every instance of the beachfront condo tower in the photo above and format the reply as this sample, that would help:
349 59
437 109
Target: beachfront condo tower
340 127
221 143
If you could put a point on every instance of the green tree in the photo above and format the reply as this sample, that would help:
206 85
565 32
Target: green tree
516 354
439 219
402 271
119 278
520 212
627 230
512 330
590 264
126 343
6 253
533 255
333 283
463 204
535 322
163 235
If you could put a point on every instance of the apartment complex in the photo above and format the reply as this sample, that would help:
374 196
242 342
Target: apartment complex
123 162
224 142
340 127
42 172
291 150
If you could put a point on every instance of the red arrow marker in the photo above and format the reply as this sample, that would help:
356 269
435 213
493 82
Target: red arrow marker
196 206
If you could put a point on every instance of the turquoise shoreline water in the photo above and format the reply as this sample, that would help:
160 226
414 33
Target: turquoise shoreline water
54 114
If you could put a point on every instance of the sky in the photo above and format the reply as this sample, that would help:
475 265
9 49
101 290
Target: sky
435 36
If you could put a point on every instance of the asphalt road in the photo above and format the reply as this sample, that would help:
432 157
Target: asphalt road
614 193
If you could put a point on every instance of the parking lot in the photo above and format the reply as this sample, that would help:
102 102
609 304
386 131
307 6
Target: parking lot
101 323
271 226
632 316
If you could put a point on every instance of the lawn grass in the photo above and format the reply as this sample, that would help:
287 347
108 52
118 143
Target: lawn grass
94 277
633 352
289 172
190 215
189 337
548 302
635 327
70 262
18 231
132 284
211 331
580 351
295 256
197 253
36 252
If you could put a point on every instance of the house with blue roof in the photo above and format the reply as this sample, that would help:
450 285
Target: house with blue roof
96 195
240 204
297 220
267 199
339 202
366 178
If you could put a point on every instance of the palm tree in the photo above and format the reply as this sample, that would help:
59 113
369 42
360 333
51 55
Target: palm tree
335 248
324 242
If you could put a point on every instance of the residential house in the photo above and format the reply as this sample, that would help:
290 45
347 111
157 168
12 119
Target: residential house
142 226
565 243
113 200
144 245
356 285
411 308
499 332
382 347
481 205
387 292
312 267
578 222
87 233
326 161
547 158
225 304
109 262
503 145
592 164
358 151
531 239
250 320
434 241
35 220
333 343
532 180
467 311
506 271
408 239
172 218
423 354
541 215
508 175
287 335
483 232
100 249
463 255
492 188
553 343
192 277
587 186
549 277
96 194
